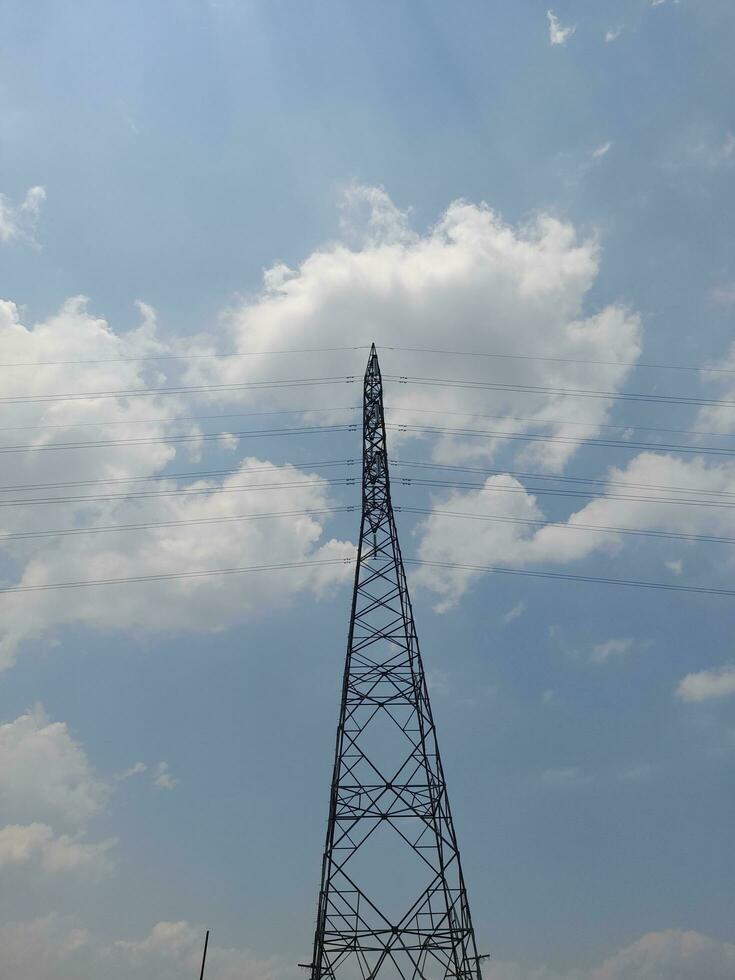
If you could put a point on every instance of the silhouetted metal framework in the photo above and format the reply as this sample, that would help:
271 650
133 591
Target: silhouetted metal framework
392 899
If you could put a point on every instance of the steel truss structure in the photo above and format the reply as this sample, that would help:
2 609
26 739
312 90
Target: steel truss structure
392 900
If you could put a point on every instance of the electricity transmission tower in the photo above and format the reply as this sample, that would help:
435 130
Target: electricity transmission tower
392 902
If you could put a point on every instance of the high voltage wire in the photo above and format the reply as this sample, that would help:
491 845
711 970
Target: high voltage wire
349 379
180 491
352 427
209 572
607 529
355 408
191 475
196 437
570 577
49 586
562 440
405 481
149 525
319 464
173 420
544 421
560 479
184 357
175 390
560 360
350 508
542 389
409 481
409 350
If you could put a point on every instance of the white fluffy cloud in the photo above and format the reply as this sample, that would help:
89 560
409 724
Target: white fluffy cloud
37 842
472 281
670 955
708 685
513 537
45 774
199 604
18 221
52 949
46 779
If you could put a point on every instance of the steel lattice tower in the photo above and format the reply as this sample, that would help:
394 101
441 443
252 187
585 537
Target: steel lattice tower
392 901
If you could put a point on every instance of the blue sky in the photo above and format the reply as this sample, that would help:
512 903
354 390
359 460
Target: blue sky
238 176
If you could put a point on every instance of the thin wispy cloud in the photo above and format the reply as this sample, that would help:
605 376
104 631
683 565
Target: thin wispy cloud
724 294
567 776
602 652
18 221
675 566
514 613
557 33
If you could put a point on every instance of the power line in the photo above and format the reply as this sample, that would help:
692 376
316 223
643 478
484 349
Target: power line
349 379
205 573
710 538
173 420
544 421
561 360
167 576
409 409
409 481
318 464
406 481
179 492
494 355
196 437
562 440
350 508
192 475
543 389
149 525
559 479
176 390
571 577
183 357
352 427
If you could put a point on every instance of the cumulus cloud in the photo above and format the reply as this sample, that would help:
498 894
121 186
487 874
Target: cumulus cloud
198 523
46 779
557 33
708 685
18 221
56 949
670 955
53 948
37 842
613 34
45 774
471 281
511 529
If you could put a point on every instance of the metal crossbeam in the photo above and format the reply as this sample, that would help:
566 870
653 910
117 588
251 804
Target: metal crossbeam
388 786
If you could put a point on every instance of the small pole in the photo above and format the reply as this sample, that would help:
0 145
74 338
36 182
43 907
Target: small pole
204 957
